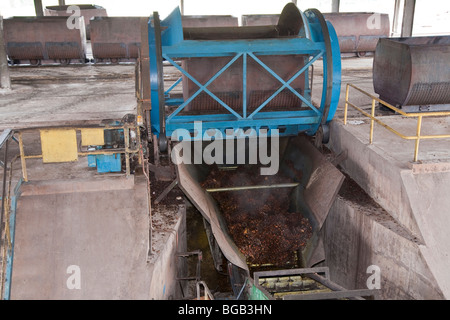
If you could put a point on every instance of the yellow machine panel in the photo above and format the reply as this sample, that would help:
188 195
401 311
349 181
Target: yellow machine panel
92 137
59 145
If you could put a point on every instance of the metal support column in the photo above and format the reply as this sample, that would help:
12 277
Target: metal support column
335 4
182 7
38 8
408 18
5 173
5 80
144 83
61 2
396 19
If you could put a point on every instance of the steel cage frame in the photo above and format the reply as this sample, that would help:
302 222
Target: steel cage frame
166 43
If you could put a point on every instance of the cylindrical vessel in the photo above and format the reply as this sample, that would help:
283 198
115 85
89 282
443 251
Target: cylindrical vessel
115 37
359 31
87 11
44 38
413 71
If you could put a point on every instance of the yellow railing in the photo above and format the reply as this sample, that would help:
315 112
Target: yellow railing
419 115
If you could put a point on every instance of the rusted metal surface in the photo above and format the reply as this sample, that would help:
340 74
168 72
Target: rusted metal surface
413 71
359 31
260 84
209 27
87 11
209 21
260 19
115 37
288 23
230 33
43 38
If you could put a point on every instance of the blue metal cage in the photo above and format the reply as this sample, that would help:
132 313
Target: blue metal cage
316 39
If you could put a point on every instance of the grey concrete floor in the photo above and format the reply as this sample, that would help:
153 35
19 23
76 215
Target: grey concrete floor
52 95
70 215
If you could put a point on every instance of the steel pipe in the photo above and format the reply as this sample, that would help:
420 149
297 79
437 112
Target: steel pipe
272 186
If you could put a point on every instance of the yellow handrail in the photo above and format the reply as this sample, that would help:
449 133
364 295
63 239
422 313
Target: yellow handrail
373 119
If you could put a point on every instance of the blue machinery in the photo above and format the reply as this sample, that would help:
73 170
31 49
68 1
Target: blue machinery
298 33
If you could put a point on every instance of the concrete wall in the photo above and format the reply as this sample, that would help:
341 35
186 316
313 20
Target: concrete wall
415 197
167 266
102 226
377 173
357 237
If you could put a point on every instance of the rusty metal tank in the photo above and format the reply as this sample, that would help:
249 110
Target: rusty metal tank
413 71
115 38
359 32
88 11
228 86
37 39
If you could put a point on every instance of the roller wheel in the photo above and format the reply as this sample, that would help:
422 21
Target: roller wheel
162 143
64 62
35 62
361 54
325 133
322 136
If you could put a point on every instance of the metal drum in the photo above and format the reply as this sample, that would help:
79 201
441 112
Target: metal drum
87 11
115 38
413 71
244 77
359 32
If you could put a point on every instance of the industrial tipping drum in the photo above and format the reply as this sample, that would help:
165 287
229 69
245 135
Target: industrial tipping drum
244 77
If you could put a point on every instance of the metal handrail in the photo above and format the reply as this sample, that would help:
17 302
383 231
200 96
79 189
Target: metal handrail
126 151
207 293
373 119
